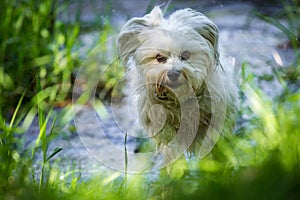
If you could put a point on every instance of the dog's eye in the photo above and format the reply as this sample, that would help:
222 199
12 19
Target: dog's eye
160 58
185 55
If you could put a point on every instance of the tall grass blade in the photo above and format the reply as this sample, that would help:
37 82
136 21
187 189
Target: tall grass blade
277 24
126 160
16 111
55 151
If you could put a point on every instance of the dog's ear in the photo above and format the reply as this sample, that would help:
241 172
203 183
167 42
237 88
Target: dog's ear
191 19
128 40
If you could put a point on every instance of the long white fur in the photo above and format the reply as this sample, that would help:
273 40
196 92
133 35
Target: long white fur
203 75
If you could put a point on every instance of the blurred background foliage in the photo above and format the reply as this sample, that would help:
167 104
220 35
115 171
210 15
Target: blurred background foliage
38 46
35 46
38 61
287 20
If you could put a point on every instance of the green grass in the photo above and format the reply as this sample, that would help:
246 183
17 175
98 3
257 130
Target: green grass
260 161
288 22
35 47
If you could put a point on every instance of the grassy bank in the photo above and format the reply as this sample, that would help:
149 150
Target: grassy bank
37 62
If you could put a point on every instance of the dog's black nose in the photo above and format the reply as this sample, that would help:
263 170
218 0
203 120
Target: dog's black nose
173 75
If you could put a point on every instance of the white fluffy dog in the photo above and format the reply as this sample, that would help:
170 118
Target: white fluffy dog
186 90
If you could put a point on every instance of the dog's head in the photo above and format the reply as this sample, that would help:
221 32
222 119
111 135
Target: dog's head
169 53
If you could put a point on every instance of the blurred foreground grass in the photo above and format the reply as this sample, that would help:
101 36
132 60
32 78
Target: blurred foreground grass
260 161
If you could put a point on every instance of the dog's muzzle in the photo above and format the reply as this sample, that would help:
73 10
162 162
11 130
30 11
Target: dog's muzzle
172 79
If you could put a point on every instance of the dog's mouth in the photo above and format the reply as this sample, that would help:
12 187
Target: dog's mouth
161 92
165 92
166 84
